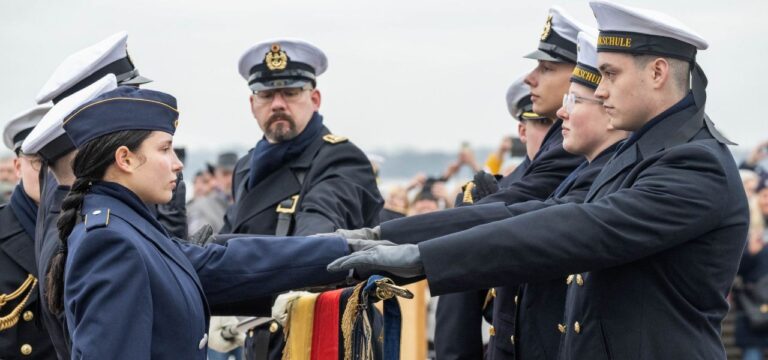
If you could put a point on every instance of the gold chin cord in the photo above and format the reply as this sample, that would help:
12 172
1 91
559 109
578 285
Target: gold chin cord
10 320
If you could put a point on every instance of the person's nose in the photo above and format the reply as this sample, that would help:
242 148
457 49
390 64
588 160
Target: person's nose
278 102
530 79
601 92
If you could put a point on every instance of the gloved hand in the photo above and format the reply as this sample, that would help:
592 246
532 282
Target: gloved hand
202 236
364 233
356 245
222 338
485 184
400 260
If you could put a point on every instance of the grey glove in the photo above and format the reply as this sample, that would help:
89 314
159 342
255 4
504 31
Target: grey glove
364 233
399 260
202 236
356 245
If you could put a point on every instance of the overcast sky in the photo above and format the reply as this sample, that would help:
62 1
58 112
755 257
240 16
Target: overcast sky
402 74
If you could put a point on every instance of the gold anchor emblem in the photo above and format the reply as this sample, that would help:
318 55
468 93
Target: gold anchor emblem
276 59
547 28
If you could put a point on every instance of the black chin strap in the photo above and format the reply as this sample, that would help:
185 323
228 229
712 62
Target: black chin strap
698 87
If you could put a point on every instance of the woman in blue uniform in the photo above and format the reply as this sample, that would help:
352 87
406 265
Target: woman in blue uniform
127 289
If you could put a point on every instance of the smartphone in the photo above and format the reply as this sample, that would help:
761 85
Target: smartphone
518 148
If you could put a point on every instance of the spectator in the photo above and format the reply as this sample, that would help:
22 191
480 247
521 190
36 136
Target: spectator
756 157
753 267
215 194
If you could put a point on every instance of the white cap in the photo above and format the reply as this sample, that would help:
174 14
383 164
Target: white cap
90 64
48 138
279 63
558 39
21 125
587 49
585 72
519 101
625 29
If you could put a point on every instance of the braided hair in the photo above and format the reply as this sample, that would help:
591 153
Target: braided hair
91 163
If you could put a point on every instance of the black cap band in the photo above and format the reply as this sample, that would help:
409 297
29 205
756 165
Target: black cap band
559 47
586 75
19 138
294 70
57 148
122 68
644 44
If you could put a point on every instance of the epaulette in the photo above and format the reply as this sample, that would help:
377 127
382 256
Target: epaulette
97 219
334 139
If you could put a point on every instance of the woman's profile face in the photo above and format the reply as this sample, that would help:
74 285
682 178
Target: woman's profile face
155 178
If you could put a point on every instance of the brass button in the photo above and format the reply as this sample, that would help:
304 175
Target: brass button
273 327
579 280
569 279
561 328
492 331
28 316
492 292
516 299
512 339
26 349
577 327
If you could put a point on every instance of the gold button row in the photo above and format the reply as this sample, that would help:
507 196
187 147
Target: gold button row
578 277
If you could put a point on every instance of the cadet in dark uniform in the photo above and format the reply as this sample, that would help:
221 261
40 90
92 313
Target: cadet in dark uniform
22 334
299 179
130 291
458 318
656 244
556 57
80 70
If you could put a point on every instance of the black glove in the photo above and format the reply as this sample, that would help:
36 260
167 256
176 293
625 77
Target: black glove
356 245
363 233
202 236
400 260
485 184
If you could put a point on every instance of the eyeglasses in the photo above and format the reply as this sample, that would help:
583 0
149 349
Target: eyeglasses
289 94
570 99
34 160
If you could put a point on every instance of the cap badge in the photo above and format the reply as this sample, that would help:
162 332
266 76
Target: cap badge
276 59
547 28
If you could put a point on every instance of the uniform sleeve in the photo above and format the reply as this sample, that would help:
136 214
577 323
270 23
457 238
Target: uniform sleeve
542 178
250 267
677 199
418 228
342 193
108 299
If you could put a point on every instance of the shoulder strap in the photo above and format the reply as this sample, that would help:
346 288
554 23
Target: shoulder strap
287 208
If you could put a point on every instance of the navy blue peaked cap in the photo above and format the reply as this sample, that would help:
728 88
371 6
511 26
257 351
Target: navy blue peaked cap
125 108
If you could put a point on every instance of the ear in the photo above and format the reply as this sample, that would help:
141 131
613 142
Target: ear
125 160
521 132
17 167
660 71
316 99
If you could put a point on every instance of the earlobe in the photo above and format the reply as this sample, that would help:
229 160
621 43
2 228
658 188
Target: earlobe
316 99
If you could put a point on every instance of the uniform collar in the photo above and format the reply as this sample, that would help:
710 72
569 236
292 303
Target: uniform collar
15 242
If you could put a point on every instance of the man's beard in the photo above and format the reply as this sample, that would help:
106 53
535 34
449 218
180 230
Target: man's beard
280 132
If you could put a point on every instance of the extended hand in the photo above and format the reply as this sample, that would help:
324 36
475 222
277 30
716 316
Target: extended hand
400 260
364 233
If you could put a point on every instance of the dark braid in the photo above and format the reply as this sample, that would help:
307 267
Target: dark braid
91 163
